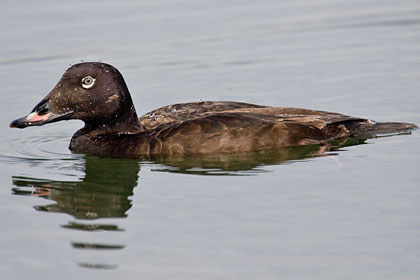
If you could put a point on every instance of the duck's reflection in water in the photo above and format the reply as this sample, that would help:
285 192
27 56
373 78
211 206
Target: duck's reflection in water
248 163
108 184
104 192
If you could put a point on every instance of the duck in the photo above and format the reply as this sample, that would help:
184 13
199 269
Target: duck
97 94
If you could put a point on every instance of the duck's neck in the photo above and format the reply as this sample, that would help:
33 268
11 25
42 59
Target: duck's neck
127 122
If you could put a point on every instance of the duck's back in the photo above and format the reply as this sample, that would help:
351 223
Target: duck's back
196 110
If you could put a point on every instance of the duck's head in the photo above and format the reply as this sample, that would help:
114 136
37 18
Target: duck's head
91 91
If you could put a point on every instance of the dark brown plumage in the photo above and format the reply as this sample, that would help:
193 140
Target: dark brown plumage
97 94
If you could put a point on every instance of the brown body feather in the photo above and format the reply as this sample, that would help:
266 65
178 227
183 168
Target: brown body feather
219 127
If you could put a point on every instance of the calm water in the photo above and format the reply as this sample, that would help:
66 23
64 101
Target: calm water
353 214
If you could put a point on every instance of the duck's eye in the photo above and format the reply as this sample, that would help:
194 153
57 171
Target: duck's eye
88 82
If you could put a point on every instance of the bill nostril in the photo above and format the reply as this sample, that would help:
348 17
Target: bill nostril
42 108
43 111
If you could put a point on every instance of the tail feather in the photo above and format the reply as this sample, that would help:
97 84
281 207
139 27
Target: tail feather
370 128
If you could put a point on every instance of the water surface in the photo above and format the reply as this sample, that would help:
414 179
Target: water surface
350 213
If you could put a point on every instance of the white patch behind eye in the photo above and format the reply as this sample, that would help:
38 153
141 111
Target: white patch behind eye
88 82
112 98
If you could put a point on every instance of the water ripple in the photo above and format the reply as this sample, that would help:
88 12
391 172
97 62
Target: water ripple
42 155
96 246
37 148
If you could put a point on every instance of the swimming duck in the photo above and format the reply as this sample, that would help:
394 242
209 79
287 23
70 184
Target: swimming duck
97 94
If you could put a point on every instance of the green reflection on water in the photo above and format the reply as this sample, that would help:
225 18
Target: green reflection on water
108 183
103 193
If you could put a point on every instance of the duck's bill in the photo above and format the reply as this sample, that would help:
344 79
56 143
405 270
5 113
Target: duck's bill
40 115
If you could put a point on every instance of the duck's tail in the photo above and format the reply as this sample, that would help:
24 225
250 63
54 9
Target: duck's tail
372 129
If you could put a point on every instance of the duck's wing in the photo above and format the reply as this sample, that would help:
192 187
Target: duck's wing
242 130
316 118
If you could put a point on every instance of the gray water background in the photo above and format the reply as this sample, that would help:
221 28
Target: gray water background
351 215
